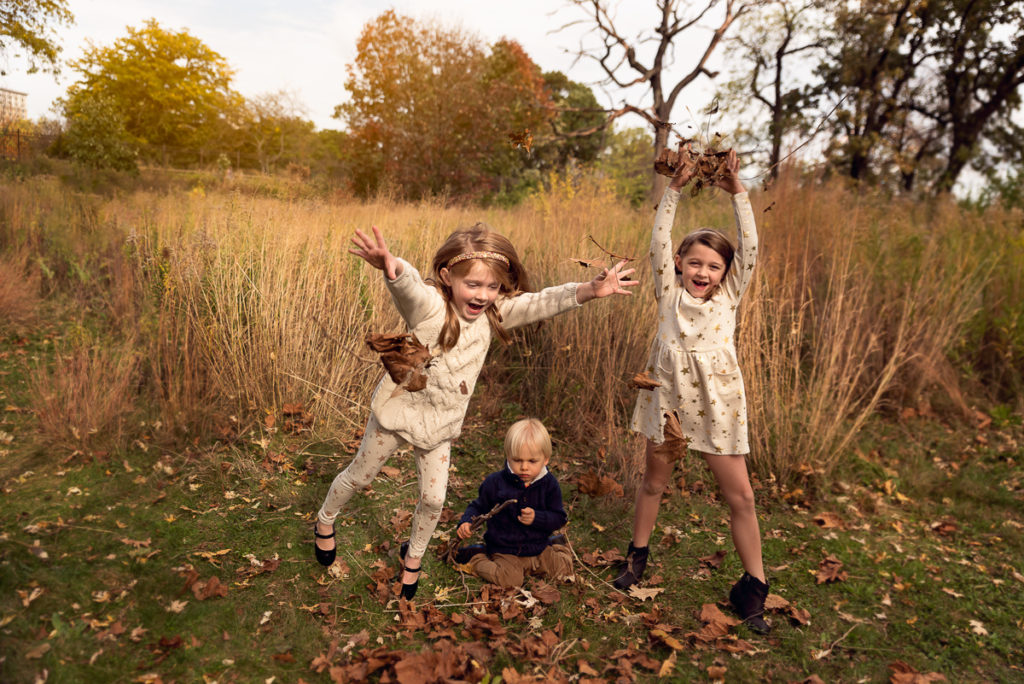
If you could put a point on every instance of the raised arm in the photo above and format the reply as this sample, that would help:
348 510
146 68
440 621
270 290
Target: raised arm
376 253
662 267
742 268
414 299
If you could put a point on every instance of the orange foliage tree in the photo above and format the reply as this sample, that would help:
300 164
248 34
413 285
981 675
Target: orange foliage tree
435 111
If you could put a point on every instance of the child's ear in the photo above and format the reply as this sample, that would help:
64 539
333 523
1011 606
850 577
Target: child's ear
677 260
446 276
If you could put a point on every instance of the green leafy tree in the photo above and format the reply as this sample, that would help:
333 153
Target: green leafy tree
28 24
576 131
923 89
433 110
275 133
171 89
96 137
627 160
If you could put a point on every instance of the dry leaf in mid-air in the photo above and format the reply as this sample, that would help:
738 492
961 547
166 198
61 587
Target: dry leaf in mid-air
404 357
707 165
644 381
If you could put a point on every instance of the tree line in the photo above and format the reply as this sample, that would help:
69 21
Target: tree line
905 94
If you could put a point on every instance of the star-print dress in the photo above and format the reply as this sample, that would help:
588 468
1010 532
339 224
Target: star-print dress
693 355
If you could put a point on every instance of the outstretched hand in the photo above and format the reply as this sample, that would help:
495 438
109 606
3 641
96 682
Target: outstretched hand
730 180
609 282
376 253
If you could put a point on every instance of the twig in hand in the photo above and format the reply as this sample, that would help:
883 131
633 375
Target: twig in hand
447 550
617 257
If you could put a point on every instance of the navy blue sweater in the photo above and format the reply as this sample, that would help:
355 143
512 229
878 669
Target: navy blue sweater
505 534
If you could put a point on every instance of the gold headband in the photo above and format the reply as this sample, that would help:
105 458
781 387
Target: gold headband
479 255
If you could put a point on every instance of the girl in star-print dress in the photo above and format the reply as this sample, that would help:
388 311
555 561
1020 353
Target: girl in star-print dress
699 401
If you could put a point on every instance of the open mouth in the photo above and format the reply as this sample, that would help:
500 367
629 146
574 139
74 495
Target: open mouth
475 309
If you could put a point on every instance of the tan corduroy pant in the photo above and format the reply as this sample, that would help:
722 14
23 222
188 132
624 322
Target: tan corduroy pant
507 570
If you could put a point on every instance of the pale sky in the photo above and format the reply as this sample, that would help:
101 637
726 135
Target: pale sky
304 46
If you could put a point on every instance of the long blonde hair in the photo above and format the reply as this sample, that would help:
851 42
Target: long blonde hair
512 279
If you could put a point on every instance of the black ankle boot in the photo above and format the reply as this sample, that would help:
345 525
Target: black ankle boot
747 597
464 553
632 569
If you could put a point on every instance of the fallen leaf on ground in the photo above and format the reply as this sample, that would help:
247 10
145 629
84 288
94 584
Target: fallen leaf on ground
830 570
905 674
28 597
666 638
205 589
645 593
545 593
828 520
713 561
176 606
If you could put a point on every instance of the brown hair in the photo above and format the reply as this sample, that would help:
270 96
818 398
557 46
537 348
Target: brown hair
709 237
512 278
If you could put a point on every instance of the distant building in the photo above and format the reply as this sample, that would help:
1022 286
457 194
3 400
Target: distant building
12 106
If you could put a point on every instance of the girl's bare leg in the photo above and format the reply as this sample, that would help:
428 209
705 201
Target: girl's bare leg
733 480
648 495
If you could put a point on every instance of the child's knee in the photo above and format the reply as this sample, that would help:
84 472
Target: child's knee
652 485
431 503
561 563
495 571
741 499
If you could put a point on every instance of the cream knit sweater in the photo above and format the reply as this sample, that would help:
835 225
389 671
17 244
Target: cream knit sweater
434 414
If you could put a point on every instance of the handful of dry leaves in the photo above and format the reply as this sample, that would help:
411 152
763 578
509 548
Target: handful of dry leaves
404 357
707 165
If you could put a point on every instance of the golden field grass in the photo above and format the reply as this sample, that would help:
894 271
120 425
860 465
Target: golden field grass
212 308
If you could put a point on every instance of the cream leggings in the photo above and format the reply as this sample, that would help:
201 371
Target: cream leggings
378 444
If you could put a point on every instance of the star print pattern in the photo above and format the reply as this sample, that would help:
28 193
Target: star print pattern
429 419
377 446
693 355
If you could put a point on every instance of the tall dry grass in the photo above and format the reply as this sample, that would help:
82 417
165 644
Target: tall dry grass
844 319
19 293
241 304
86 399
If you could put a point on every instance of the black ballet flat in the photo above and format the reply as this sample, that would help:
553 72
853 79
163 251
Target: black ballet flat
409 590
324 556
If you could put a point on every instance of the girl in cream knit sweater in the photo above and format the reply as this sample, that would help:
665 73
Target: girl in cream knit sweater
478 288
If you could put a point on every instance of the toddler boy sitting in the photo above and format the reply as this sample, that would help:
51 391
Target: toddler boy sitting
518 539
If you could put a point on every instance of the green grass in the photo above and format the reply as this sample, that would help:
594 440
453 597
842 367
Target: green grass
929 534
